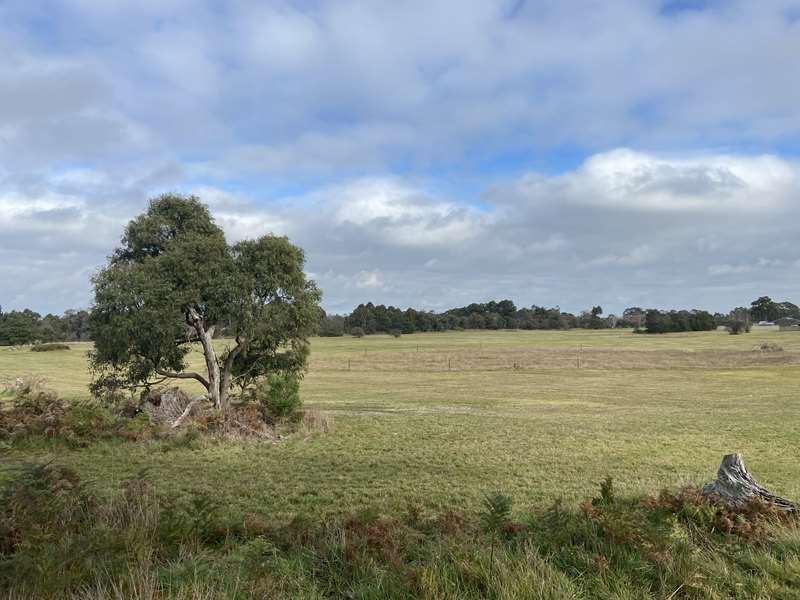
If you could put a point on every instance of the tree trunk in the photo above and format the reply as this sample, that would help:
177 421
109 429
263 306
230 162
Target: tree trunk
227 370
735 486
206 339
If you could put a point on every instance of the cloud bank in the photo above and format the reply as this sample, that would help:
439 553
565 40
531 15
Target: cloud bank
623 228
423 153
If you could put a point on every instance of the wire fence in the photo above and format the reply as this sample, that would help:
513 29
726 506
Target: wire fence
536 359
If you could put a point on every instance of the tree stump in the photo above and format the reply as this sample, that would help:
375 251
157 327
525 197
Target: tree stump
170 407
735 486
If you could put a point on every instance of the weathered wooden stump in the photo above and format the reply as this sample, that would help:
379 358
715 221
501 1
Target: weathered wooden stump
170 406
735 486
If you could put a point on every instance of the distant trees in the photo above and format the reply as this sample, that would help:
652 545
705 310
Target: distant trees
633 317
371 318
22 327
765 309
590 319
657 321
26 327
331 326
738 321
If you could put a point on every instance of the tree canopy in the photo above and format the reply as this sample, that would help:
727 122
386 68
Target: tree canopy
175 283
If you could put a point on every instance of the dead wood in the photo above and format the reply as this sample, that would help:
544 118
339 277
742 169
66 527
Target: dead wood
735 487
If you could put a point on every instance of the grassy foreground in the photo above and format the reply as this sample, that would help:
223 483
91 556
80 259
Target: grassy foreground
434 421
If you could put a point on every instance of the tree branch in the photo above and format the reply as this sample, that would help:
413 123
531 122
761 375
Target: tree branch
228 365
187 375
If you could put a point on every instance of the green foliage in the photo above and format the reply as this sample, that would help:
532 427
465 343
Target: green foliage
49 347
657 321
141 543
18 327
495 517
496 512
371 318
765 309
357 332
279 396
736 327
606 492
331 326
27 326
175 282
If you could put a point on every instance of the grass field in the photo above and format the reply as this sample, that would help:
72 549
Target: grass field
439 419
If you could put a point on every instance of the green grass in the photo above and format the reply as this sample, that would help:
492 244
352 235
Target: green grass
436 421
409 429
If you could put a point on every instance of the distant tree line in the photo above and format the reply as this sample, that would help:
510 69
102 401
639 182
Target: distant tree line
19 327
27 326
371 318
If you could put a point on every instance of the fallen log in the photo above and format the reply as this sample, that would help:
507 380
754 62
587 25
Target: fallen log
196 401
735 486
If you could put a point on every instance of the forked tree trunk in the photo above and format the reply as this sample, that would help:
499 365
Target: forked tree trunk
735 486
212 365
219 380
206 337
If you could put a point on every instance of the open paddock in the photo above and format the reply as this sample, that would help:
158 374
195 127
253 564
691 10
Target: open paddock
439 419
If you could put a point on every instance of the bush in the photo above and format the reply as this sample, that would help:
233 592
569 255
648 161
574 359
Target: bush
38 411
49 347
279 396
395 333
357 332
35 410
737 327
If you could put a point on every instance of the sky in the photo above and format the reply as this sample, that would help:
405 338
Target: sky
423 153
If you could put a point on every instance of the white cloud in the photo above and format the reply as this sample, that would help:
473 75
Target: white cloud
404 215
369 280
624 179
637 257
564 239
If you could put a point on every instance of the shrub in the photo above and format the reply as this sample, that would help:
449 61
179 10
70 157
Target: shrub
606 492
35 410
395 333
737 327
279 396
38 411
50 347
357 332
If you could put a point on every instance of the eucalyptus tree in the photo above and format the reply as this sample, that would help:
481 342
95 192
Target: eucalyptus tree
175 283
